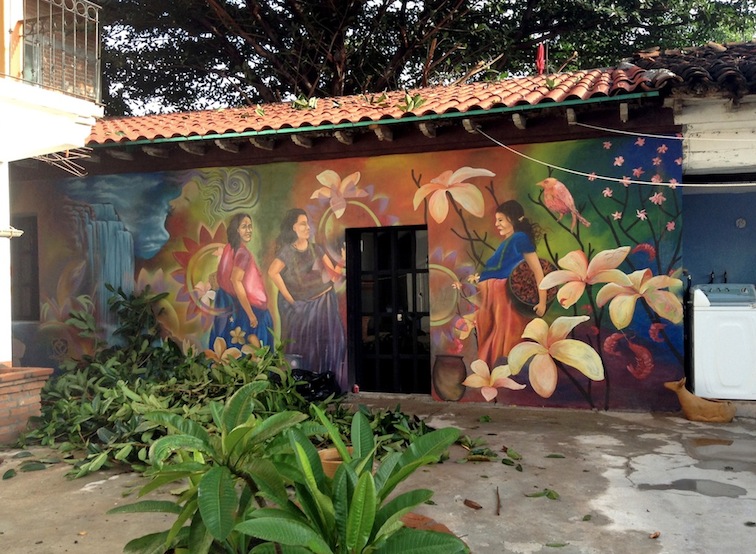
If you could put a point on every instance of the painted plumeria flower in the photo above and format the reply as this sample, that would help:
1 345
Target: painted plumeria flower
576 273
338 189
237 336
643 284
220 353
489 381
465 194
205 292
549 344
188 348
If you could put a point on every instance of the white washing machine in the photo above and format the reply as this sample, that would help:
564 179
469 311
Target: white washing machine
724 341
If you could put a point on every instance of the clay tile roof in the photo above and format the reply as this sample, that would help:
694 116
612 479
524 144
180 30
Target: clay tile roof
727 68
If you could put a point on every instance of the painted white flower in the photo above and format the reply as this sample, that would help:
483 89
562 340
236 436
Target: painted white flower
576 273
338 190
643 284
490 381
465 194
549 344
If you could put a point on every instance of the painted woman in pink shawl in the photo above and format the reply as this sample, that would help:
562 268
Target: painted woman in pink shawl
244 318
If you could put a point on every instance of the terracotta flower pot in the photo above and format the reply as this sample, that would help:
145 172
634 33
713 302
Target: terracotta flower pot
331 460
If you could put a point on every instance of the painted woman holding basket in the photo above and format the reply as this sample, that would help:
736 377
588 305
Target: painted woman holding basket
499 323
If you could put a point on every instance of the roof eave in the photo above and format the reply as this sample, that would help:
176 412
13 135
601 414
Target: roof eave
372 124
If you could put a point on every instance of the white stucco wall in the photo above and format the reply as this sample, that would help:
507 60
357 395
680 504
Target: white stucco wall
718 135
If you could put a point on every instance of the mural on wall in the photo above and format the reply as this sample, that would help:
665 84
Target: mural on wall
554 278
573 288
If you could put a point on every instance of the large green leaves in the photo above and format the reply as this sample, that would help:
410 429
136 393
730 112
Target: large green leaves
424 450
388 518
217 501
347 514
153 543
147 506
162 448
239 407
285 531
333 433
415 541
361 514
179 425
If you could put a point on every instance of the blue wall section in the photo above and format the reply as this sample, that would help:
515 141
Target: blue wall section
712 240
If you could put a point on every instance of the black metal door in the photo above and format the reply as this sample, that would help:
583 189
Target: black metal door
389 318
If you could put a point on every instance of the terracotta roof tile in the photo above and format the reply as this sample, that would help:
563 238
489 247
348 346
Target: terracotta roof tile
715 68
700 70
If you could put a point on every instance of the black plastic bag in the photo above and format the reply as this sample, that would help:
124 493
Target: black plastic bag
316 386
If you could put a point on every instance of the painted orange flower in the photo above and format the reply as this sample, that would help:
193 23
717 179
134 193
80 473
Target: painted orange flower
490 381
643 284
576 273
338 189
465 194
551 343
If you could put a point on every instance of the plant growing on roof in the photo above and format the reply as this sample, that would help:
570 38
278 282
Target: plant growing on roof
350 513
411 102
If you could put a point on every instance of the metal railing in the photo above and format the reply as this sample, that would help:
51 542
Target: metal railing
57 46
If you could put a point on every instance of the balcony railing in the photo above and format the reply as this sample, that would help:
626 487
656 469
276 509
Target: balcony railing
57 46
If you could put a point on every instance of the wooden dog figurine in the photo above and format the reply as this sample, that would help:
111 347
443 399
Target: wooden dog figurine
696 408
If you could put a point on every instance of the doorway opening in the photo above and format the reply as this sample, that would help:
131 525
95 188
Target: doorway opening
388 317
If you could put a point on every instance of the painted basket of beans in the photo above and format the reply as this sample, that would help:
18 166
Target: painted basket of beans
523 288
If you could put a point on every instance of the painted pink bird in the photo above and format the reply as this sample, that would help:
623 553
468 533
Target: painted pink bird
558 199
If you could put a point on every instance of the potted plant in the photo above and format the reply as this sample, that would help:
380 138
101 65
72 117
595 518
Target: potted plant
350 513
219 464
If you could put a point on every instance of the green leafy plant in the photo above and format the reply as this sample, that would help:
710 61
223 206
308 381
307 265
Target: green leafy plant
304 103
221 464
94 409
351 512
411 103
394 430
376 99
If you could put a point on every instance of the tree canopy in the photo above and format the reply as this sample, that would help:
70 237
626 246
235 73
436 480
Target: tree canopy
197 54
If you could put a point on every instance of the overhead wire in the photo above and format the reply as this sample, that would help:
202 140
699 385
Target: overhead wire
678 136
624 180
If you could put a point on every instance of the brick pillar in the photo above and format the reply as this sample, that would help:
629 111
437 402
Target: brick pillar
19 399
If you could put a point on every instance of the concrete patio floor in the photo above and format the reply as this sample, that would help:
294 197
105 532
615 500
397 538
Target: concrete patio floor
627 483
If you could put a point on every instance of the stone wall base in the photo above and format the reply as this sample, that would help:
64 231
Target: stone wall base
20 389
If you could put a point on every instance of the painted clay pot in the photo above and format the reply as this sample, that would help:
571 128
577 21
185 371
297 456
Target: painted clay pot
449 371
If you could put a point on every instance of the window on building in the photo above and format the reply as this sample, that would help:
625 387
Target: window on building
25 270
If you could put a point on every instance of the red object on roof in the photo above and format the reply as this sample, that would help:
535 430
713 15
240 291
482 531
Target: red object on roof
541 59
